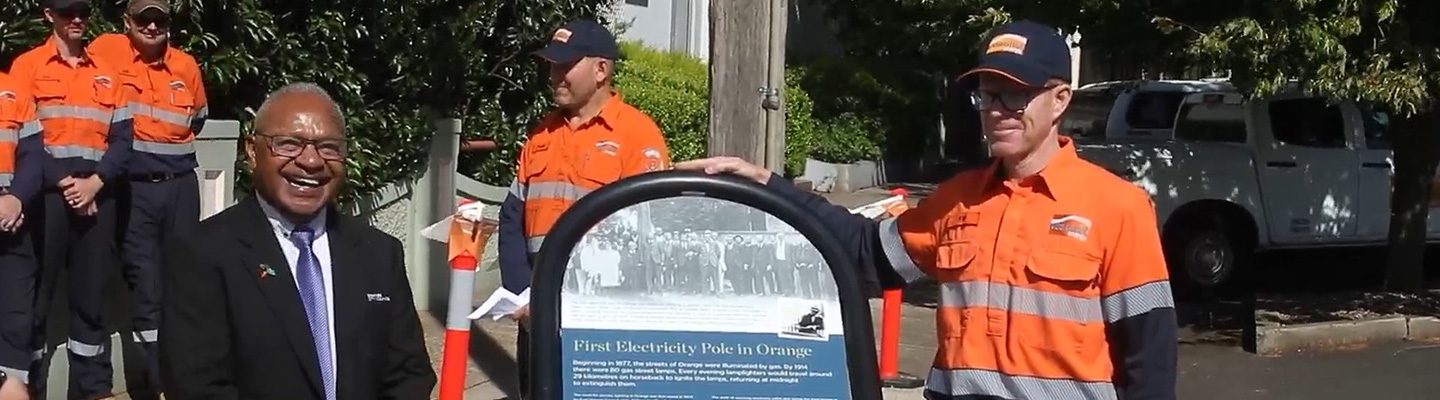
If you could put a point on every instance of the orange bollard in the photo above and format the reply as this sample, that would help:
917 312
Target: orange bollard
457 328
467 244
890 374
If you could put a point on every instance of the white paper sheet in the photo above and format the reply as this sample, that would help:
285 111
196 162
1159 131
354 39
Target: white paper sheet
440 231
502 303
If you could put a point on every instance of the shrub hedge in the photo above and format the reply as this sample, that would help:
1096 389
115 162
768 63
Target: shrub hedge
674 89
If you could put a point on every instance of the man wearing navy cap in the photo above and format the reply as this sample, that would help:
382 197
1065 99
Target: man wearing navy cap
592 139
1052 282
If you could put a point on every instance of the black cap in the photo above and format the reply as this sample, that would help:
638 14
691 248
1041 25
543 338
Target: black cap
579 39
65 4
1026 52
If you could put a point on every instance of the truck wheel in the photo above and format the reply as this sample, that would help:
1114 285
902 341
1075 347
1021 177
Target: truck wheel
1208 257
1203 255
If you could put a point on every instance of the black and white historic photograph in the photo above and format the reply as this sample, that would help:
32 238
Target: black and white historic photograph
696 246
802 319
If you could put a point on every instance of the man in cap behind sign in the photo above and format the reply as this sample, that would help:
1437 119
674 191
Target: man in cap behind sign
593 139
160 196
1052 282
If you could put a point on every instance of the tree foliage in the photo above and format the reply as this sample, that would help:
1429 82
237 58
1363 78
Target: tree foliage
393 65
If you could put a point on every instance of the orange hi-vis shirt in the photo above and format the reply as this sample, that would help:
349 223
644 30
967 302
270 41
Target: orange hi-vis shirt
85 125
166 99
1032 273
560 164
20 168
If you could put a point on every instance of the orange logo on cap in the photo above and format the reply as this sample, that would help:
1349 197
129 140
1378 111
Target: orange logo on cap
1009 42
562 36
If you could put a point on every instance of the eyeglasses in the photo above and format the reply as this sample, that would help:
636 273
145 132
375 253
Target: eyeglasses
291 147
1010 100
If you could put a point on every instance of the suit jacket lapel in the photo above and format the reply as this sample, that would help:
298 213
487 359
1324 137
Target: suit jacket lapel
349 267
279 290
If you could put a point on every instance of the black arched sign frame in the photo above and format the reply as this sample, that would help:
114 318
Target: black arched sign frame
550 268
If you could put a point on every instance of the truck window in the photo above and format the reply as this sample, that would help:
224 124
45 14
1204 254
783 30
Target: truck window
1088 115
1310 122
1211 122
1153 111
1377 127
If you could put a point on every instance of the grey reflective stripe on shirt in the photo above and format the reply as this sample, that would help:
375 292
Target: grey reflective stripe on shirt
533 243
971 382
1137 300
1001 296
554 190
174 149
29 129
9 135
74 151
163 115
122 114
77 112
6 179
517 189
894 247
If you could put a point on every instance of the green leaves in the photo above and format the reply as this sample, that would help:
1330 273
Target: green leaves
393 65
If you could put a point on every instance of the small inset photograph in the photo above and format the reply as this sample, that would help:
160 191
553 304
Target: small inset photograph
802 319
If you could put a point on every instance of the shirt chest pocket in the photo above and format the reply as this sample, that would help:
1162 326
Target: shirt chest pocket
49 88
182 99
960 246
1061 298
1071 268
600 164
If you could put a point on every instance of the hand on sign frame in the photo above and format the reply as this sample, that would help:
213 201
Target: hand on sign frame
727 165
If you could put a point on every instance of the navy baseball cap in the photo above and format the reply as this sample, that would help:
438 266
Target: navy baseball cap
1026 52
66 4
580 39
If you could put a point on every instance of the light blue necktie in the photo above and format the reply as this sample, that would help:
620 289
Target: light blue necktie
312 293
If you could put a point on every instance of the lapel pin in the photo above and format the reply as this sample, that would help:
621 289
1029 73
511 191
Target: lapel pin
266 271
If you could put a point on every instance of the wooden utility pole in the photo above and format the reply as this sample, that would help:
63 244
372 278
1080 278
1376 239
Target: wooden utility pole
739 40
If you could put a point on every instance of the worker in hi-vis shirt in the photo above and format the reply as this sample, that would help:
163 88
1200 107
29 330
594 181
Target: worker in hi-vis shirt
86 130
20 164
159 196
592 139
1052 282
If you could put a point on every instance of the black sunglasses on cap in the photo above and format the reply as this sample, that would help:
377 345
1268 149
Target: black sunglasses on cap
151 16
73 13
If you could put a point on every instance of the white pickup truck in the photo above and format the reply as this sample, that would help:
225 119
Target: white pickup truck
1232 175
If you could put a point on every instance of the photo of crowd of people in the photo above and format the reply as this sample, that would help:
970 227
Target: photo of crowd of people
637 251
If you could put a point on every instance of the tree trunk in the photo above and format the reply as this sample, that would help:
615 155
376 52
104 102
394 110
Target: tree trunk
1416 156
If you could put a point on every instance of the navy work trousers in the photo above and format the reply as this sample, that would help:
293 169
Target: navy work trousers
154 208
81 249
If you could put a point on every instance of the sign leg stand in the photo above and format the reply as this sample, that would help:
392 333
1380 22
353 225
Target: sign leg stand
890 374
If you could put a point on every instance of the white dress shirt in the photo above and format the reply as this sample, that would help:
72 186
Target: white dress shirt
321 247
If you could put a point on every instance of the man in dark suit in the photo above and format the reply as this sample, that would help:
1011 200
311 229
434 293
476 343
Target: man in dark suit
282 297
